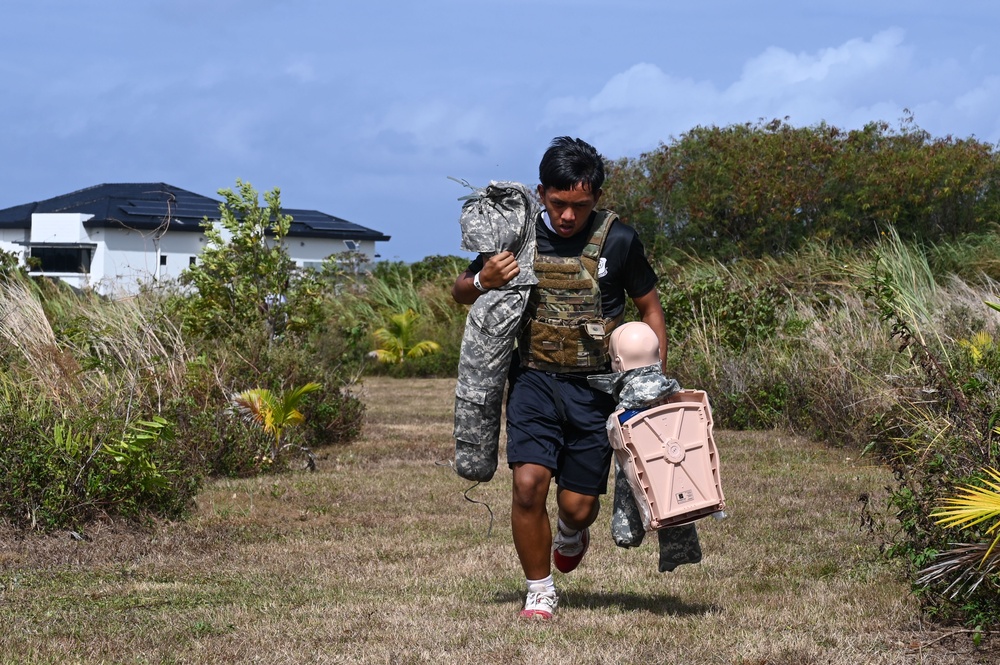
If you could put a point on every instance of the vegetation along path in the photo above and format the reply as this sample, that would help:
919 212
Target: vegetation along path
379 558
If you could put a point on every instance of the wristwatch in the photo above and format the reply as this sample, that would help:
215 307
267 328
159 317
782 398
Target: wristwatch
478 284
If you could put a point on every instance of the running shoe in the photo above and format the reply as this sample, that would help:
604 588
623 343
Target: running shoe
568 551
540 605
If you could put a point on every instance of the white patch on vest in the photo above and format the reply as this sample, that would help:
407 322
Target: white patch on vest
602 267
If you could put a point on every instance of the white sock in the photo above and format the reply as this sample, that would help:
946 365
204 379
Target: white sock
544 584
566 531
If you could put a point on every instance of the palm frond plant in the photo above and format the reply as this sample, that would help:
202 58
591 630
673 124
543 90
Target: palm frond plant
274 413
396 340
968 564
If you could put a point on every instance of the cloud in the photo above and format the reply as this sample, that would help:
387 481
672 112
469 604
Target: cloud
777 72
980 103
438 131
859 81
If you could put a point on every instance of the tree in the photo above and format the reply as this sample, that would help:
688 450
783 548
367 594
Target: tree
9 263
243 275
767 188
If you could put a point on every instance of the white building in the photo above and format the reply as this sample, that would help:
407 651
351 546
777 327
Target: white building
113 237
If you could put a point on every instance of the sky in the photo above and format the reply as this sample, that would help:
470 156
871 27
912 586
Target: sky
366 109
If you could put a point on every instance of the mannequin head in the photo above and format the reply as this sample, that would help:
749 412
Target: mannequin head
632 345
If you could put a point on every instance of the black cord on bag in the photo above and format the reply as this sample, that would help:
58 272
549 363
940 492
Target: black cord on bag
465 494
489 530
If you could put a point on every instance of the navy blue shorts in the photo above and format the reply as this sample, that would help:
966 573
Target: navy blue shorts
560 422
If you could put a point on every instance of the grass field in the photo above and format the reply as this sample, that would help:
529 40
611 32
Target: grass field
379 558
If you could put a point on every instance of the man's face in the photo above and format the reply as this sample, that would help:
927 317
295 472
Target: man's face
569 209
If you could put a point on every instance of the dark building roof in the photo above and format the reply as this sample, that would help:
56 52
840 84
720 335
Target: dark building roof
146 206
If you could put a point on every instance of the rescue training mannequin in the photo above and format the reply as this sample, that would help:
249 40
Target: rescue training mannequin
637 378
634 344
666 462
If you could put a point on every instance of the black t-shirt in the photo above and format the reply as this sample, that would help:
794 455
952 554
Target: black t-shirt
622 270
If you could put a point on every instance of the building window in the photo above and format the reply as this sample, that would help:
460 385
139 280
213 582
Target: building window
352 245
163 259
192 260
61 259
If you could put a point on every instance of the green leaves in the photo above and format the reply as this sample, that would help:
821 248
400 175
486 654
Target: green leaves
973 506
396 340
273 412
133 455
964 566
244 268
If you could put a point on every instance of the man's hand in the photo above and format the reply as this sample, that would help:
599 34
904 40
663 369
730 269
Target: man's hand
497 271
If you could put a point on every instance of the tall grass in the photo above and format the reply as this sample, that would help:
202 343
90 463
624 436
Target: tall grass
29 344
116 347
368 302
871 349
107 409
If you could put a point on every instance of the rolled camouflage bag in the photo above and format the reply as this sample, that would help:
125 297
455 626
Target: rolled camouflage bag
487 349
626 520
499 217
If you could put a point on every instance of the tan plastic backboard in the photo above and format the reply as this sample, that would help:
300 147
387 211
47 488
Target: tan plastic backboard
670 459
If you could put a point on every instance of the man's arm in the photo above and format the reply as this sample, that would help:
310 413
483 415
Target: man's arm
651 313
497 271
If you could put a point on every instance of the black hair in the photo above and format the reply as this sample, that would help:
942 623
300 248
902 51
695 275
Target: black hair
569 162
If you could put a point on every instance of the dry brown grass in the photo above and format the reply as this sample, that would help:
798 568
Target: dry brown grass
378 558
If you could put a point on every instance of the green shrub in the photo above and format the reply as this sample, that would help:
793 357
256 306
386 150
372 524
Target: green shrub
62 469
941 430
366 303
727 309
334 417
115 411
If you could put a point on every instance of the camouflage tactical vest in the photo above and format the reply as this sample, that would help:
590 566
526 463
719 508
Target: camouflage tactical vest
566 330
